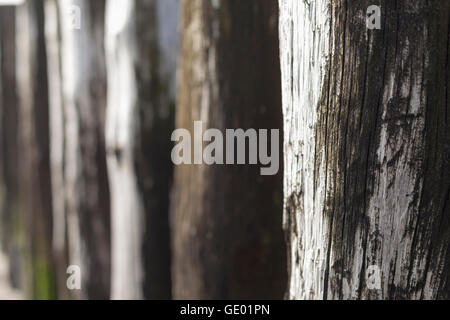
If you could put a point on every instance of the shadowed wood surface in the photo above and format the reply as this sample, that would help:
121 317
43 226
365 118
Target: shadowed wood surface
226 220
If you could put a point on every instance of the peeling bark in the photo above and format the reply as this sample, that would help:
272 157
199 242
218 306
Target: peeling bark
367 145
226 220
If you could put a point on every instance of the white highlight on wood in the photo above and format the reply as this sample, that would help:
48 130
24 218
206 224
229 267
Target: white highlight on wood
56 113
123 55
392 209
126 204
72 75
11 2
304 43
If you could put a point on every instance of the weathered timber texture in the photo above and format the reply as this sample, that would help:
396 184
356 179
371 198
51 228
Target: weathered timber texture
140 40
226 220
367 148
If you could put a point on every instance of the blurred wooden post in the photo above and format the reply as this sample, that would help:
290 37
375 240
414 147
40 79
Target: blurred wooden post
11 232
35 198
227 234
8 124
78 144
141 46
